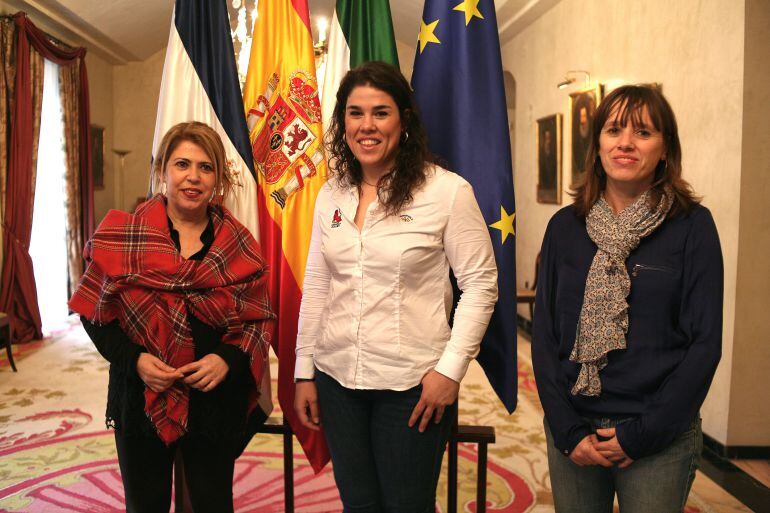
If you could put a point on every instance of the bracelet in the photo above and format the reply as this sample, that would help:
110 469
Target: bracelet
300 380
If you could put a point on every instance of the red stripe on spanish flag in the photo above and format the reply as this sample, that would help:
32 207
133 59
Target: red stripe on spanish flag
284 118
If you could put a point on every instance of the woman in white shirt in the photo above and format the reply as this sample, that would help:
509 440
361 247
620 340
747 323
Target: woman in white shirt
378 365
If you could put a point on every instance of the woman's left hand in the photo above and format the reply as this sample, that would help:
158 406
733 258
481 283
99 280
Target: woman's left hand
611 448
438 392
205 374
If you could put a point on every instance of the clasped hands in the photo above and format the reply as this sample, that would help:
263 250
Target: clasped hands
204 374
590 451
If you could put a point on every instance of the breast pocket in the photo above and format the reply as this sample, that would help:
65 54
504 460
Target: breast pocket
659 281
638 269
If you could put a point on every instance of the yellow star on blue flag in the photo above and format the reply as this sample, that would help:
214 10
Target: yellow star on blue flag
470 8
505 224
426 34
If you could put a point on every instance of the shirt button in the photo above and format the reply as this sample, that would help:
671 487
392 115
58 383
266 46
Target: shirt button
566 452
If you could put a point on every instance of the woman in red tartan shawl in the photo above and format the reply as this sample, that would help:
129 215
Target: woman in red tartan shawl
174 298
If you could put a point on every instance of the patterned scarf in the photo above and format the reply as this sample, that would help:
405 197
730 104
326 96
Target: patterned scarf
136 275
604 317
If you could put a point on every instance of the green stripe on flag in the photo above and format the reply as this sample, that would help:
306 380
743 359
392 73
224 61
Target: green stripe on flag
368 29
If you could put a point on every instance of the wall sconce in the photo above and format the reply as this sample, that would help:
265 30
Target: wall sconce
569 79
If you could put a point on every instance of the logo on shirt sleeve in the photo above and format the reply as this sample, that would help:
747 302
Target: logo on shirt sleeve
337 219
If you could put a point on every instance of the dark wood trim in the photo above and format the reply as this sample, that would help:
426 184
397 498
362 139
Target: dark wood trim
736 452
734 480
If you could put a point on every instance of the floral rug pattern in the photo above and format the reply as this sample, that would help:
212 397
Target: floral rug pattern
57 456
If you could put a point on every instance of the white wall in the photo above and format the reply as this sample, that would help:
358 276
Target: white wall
695 50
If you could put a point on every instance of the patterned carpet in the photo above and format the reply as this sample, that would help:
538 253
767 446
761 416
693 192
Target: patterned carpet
56 455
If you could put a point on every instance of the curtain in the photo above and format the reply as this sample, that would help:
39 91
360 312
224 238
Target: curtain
18 296
7 74
69 83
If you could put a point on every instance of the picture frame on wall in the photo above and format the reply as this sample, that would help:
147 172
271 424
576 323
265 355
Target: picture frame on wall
549 151
582 107
97 156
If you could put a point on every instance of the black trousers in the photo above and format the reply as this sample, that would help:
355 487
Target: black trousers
146 465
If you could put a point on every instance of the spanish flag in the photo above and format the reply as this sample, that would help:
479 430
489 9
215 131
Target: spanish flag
283 114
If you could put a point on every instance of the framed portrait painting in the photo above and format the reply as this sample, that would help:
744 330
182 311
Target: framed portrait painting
549 159
97 155
582 107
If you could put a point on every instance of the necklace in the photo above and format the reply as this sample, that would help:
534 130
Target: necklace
369 184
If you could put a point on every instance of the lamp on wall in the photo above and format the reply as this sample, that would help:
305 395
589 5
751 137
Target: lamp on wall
570 79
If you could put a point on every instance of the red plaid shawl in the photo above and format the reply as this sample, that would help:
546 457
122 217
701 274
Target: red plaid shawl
136 275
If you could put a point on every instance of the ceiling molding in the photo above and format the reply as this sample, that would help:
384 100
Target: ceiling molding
125 22
53 17
523 17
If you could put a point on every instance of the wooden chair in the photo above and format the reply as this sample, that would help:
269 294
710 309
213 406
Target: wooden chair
5 338
526 295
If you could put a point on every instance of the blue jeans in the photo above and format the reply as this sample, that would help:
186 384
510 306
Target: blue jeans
380 463
658 483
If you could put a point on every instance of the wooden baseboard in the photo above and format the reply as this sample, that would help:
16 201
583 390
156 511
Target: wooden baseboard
736 452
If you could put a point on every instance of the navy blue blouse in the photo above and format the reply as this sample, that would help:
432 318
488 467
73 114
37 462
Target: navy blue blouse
674 337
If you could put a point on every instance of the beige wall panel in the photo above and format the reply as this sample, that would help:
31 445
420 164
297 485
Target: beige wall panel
135 88
100 90
406 58
695 49
749 418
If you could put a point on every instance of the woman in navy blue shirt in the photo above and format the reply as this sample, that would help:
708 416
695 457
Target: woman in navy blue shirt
628 318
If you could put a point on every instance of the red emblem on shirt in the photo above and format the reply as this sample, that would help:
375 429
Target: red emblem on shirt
337 218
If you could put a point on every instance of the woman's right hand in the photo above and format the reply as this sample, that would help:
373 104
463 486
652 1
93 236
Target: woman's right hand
156 374
585 453
306 404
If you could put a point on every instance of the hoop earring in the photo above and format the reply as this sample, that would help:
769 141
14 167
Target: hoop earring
405 136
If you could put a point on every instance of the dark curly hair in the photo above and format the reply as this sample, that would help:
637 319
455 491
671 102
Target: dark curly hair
396 188
630 102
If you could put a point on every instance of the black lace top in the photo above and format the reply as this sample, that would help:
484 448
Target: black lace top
220 413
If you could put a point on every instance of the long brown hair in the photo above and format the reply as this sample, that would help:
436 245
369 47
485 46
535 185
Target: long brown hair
201 135
630 101
412 155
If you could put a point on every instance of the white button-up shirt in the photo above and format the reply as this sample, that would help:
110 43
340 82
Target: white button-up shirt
376 302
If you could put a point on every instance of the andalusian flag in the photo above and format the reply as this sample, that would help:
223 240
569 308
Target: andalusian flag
360 32
200 83
284 118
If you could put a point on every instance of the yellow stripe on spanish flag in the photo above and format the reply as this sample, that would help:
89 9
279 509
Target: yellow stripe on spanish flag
283 112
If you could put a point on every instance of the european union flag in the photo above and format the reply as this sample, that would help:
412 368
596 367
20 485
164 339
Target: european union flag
458 84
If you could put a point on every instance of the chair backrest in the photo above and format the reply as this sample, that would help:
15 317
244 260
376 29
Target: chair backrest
537 270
